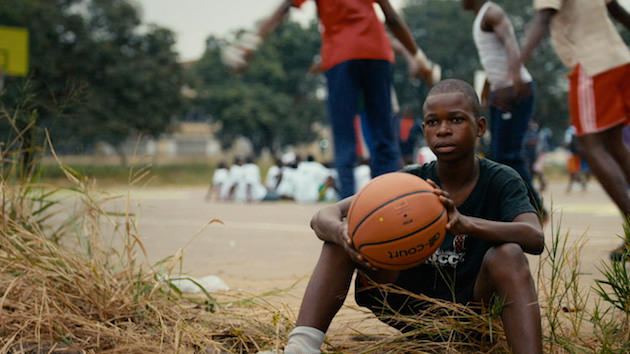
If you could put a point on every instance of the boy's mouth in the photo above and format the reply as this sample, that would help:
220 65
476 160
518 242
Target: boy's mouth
443 148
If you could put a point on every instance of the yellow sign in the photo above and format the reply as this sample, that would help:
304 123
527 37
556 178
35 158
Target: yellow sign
14 51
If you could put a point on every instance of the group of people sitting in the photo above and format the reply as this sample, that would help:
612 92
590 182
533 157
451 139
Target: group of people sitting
305 181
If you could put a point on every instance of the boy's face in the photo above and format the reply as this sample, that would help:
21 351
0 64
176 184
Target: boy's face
450 126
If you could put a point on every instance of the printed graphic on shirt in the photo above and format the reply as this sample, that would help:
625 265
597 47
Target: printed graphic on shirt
450 258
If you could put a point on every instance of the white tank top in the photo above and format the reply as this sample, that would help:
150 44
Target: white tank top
493 55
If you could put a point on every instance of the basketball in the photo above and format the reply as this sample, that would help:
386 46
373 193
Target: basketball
396 221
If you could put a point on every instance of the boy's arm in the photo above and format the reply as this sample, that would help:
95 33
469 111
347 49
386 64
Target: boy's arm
330 226
524 230
537 31
328 223
498 20
619 13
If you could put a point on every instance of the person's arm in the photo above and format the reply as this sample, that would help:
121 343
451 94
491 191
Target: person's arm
276 18
538 29
497 20
485 93
412 65
400 30
619 13
525 229
330 225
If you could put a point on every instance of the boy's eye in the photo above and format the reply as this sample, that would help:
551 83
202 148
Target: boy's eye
457 119
430 122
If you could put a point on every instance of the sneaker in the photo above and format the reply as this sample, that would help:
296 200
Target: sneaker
621 253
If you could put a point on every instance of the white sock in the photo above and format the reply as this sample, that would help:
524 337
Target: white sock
304 340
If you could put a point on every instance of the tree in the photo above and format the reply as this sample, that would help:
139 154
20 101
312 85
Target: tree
274 102
94 74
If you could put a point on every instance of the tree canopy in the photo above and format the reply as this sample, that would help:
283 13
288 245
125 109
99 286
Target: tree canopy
95 71
274 102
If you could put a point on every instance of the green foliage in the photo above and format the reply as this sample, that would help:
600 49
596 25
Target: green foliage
94 73
273 102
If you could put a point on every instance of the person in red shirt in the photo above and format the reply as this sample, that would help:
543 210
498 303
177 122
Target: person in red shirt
357 58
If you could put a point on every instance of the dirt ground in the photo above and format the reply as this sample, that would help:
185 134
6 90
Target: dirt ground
266 246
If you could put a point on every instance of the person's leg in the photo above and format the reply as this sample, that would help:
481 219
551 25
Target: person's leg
327 289
376 79
609 160
342 107
506 145
505 273
599 107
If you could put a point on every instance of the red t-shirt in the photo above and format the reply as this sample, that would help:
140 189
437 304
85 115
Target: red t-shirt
351 30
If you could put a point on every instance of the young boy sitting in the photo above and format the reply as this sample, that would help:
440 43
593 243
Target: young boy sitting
491 225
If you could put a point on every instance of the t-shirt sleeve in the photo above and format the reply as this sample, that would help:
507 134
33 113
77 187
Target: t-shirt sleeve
513 198
548 4
298 3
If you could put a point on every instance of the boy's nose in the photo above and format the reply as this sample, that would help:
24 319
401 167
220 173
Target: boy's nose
443 128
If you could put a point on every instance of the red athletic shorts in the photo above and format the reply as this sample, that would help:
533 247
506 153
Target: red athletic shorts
599 102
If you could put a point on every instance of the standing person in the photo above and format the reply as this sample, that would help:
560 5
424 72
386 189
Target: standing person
588 44
511 99
357 58
490 214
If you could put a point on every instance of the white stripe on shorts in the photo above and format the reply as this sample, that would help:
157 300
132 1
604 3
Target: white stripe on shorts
586 102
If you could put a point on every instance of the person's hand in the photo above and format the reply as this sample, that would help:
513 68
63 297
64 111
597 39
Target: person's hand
345 241
236 56
430 72
457 223
505 98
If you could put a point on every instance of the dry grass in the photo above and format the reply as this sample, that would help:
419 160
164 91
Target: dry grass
85 296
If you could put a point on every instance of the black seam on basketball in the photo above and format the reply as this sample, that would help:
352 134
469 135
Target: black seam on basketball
404 236
355 199
381 206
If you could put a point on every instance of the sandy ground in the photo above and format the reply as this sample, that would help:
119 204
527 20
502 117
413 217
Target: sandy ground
267 246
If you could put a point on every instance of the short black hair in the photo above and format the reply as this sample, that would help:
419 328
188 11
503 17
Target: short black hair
456 85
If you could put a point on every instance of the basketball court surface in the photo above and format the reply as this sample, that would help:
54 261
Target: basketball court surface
269 246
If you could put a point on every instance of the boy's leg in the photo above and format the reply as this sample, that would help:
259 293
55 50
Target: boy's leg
505 273
327 288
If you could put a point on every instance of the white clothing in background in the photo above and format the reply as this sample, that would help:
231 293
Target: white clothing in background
286 188
308 177
251 177
272 177
362 175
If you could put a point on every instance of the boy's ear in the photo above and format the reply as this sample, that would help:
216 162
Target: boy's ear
482 124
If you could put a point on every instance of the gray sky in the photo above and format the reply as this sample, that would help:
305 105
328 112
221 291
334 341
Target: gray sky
194 20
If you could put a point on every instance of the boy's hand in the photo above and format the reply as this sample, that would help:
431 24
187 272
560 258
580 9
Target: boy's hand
346 243
457 223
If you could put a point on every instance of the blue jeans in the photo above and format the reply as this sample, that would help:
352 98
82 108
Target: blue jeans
346 80
507 136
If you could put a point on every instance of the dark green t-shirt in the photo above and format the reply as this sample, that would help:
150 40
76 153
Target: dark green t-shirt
499 195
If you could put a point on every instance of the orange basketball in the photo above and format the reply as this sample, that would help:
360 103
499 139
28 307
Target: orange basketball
396 222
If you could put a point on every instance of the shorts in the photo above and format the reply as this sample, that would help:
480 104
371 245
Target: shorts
387 306
599 102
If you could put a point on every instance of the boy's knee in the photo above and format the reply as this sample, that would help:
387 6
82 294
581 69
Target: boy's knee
506 262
